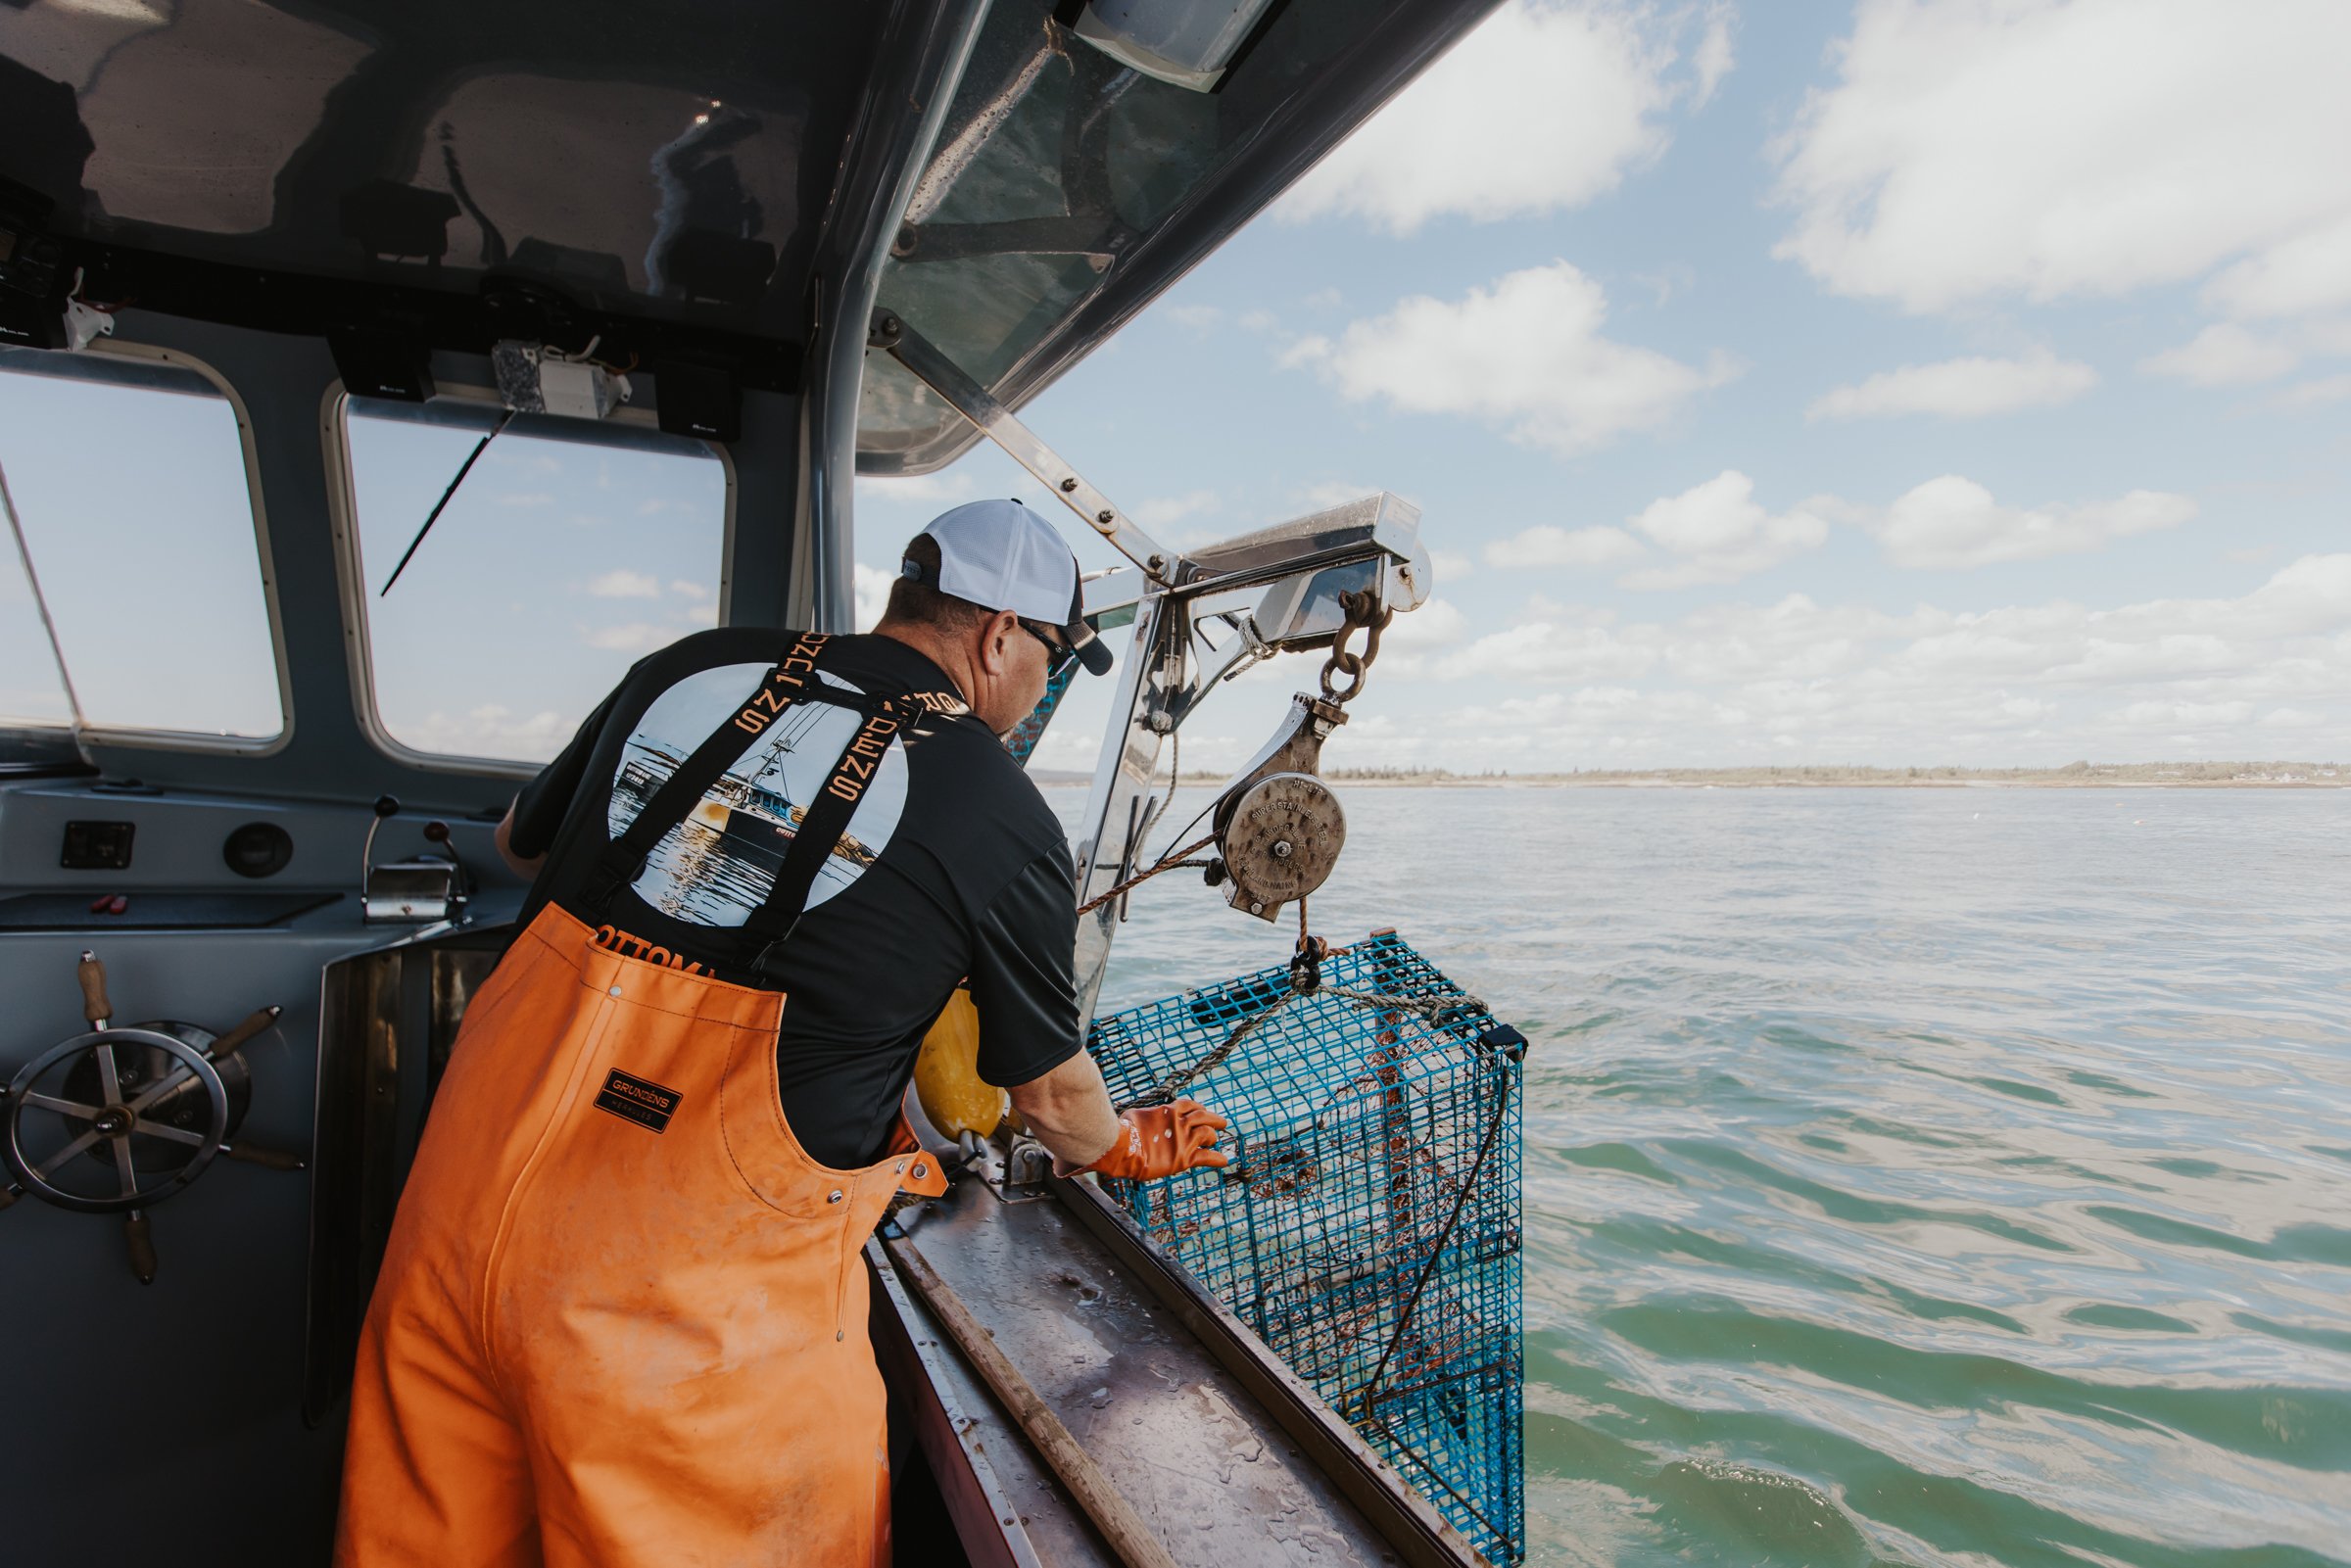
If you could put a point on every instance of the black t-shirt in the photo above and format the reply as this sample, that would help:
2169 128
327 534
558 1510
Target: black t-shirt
952 867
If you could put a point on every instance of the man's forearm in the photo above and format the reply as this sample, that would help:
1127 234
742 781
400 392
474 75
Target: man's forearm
1069 1111
503 840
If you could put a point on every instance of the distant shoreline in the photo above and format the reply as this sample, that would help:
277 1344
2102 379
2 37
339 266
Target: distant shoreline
2075 776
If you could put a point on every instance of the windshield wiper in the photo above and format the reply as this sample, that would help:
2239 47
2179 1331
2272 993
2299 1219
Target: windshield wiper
464 469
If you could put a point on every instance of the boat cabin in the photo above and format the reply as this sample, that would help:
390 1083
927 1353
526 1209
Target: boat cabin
656 283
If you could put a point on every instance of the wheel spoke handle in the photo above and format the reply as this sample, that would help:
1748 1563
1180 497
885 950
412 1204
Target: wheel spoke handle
170 1134
254 1024
92 975
141 1235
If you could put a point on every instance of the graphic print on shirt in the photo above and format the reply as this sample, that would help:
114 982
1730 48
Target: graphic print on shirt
717 865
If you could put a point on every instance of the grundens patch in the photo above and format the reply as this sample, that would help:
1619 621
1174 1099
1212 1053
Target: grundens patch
644 1103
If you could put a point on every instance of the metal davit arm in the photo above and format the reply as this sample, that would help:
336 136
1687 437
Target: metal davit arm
1197 618
998 423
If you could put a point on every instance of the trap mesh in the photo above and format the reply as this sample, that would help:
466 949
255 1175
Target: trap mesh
1367 1227
1030 731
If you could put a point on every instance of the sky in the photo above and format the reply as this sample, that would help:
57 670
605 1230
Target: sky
1903 383
1892 383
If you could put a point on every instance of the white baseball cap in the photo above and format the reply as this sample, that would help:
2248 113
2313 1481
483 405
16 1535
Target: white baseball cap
1001 555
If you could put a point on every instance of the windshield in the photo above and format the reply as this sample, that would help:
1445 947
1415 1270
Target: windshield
1057 166
556 565
138 524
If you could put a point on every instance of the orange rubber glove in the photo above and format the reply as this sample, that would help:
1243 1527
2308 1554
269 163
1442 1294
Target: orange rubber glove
1160 1140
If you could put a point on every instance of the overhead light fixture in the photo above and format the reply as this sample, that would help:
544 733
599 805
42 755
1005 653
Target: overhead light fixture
1188 43
533 378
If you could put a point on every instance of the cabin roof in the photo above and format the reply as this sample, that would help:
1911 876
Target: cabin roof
661 176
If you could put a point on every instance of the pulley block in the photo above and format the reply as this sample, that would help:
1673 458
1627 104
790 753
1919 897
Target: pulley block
1280 841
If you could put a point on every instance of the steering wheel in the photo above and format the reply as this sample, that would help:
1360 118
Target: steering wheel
158 1117
119 1119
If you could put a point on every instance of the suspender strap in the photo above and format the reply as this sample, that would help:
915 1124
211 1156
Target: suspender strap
823 827
823 824
624 857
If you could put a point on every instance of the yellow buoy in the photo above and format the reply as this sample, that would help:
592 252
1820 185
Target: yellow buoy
946 1074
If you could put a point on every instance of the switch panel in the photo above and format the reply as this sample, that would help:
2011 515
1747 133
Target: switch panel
97 847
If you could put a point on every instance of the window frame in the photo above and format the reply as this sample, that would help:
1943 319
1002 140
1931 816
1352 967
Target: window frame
90 735
342 513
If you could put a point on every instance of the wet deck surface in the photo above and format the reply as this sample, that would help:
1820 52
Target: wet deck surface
1193 1452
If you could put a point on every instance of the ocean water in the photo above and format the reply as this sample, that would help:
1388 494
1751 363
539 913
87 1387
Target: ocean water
1920 1176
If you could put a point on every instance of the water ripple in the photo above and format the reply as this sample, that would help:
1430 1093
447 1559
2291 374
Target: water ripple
1913 1177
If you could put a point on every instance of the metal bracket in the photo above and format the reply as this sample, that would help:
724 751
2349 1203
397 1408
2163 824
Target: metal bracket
1015 1167
933 369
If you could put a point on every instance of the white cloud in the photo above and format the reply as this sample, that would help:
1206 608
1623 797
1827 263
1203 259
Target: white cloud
1954 523
1714 58
1545 546
1322 496
2051 149
625 584
916 489
491 730
1722 534
1547 650
634 637
1543 106
871 588
1960 389
1797 681
2311 394
1526 353
1196 318
2223 355
2309 272
1159 511
1450 565
2184 715
1409 638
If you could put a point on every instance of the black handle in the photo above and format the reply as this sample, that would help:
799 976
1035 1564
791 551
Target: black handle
141 1237
253 1153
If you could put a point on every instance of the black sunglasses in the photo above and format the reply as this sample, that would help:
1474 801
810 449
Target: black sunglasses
1059 655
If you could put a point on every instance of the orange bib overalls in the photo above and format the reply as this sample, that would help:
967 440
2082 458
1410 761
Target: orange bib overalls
622 1315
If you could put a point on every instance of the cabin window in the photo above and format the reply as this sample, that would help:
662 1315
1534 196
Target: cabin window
132 497
570 551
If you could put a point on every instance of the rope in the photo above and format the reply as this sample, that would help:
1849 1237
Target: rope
1502 1105
1168 862
1168 1088
1433 1010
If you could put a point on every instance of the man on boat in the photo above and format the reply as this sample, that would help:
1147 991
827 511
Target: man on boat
622 1316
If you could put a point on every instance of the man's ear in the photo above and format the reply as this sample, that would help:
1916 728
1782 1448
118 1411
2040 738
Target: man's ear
995 641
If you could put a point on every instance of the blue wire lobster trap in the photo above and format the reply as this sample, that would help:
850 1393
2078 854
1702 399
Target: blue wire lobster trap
1367 1227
